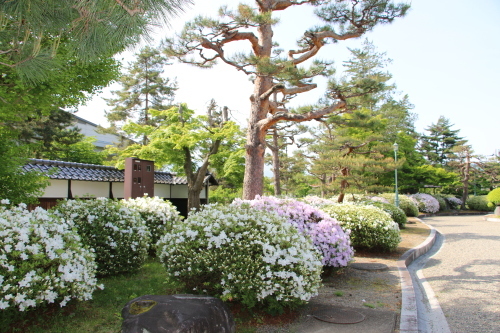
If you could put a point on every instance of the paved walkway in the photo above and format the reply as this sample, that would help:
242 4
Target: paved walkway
464 275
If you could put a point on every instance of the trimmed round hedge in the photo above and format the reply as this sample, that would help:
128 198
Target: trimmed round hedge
478 202
42 260
405 203
243 254
371 228
494 197
117 234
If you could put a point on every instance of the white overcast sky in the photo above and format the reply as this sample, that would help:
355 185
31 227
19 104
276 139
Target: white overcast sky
446 57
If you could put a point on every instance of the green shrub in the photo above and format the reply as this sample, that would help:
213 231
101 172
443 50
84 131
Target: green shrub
117 234
405 203
494 197
243 254
479 202
442 202
371 227
158 214
397 214
42 260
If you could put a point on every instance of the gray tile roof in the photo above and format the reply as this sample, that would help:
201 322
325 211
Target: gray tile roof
96 173
99 173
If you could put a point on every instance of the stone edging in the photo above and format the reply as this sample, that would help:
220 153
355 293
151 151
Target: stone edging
409 318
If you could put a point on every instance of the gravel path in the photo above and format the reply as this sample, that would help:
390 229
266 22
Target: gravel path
465 273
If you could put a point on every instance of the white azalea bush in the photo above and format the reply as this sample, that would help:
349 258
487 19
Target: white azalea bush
42 261
241 254
117 233
158 214
371 228
326 233
426 202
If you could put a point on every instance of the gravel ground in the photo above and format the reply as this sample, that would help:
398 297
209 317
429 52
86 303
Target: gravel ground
465 273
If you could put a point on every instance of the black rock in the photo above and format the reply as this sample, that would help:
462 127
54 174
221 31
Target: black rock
177 314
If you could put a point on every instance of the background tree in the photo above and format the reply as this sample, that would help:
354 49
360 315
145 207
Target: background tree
143 88
92 29
17 185
67 87
281 137
437 147
205 40
182 141
54 136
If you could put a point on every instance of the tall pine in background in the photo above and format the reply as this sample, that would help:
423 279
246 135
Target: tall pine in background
143 88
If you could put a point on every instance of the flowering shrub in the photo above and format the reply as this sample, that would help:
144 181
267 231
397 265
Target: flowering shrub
42 260
243 254
405 203
379 199
478 202
318 202
453 202
371 227
325 232
116 233
158 214
397 214
426 203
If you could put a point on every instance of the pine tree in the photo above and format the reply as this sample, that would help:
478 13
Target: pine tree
205 40
437 147
143 88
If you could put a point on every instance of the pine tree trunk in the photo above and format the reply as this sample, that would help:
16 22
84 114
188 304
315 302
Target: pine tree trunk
253 182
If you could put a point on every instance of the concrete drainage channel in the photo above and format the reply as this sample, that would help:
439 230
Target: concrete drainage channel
409 313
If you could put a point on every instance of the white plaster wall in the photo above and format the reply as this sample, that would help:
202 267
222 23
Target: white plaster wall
118 190
179 191
86 188
162 191
57 189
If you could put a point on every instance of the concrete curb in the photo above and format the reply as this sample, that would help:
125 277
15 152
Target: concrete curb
409 315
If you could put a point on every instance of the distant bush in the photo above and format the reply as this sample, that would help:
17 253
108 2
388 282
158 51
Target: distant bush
370 227
117 234
318 202
42 261
397 214
426 202
158 214
494 197
442 202
405 203
453 202
326 233
478 202
242 254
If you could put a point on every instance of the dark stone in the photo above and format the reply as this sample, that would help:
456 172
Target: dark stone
369 266
177 314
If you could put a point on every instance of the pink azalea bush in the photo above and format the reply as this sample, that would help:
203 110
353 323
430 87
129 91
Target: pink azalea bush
426 202
328 237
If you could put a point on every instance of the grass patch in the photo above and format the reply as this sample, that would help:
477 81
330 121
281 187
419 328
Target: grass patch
103 313
339 293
